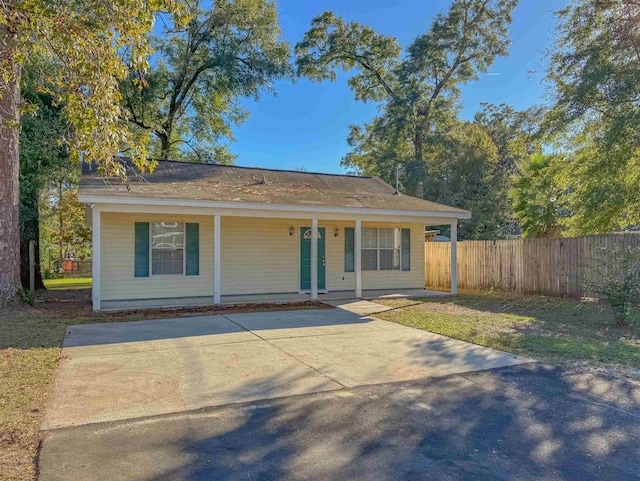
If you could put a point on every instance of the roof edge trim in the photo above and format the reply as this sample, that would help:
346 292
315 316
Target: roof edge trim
101 199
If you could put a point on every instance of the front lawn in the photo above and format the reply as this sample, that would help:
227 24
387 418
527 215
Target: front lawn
558 331
30 341
68 283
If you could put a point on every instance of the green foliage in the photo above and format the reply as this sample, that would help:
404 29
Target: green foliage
188 100
593 70
49 210
516 134
332 44
93 44
538 202
42 156
417 90
27 296
63 219
464 172
616 276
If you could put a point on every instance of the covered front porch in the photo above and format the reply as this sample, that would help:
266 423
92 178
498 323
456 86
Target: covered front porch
241 257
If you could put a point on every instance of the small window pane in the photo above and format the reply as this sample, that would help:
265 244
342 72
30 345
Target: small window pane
389 238
167 235
369 259
167 248
389 259
165 262
369 238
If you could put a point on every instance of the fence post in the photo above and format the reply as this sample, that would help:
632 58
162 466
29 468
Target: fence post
32 266
454 257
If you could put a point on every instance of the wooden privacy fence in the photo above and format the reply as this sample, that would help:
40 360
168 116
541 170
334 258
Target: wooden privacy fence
554 267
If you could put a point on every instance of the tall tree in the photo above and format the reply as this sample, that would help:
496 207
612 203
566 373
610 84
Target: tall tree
594 73
91 41
417 89
43 158
538 201
189 99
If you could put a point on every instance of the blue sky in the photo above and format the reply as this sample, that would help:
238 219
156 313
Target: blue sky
306 124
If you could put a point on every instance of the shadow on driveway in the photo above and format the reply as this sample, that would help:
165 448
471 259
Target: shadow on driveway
521 422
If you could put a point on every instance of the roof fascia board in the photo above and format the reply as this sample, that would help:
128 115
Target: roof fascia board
207 211
283 210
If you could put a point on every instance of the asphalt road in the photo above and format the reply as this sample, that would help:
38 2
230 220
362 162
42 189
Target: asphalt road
522 422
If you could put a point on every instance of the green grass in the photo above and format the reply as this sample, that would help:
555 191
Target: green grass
548 329
68 283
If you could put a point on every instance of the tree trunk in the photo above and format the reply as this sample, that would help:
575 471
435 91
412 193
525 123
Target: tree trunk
9 174
417 168
164 136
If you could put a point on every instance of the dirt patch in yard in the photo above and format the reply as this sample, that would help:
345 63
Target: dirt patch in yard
30 342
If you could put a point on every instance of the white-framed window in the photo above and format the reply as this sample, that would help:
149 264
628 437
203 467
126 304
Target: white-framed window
381 249
167 248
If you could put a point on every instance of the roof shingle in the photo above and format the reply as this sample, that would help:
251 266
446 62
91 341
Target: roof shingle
185 180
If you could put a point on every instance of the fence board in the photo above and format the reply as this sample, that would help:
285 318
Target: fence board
552 267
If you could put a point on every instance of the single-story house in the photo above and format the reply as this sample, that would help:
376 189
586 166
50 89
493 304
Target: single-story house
191 234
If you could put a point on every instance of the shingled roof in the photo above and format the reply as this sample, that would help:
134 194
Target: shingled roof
211 182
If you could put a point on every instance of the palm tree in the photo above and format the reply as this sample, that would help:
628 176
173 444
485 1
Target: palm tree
537 200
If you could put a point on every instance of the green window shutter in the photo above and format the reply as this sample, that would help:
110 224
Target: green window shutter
349 249
142 249
406 249
192 232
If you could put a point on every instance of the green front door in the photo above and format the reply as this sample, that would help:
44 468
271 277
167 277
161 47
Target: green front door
305 258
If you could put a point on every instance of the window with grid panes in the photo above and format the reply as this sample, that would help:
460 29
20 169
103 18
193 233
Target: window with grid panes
167 248
380 249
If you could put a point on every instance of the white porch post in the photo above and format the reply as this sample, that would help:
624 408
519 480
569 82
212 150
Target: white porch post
314 259
454 257
216 259
357 261
95 257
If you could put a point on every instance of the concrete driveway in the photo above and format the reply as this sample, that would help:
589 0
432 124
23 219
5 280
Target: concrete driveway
324 395
111 372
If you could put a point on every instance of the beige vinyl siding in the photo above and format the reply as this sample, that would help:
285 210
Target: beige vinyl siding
258 255
117 260
373 279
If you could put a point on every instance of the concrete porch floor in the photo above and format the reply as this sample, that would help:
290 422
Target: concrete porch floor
330 296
